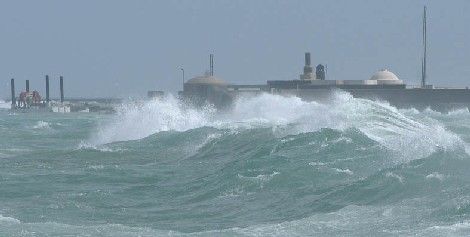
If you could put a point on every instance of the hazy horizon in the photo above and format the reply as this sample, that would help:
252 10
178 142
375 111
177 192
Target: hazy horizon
125 48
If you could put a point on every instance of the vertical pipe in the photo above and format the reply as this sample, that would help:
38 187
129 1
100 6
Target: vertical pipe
47 88
182 70
307 59
13 97
211 62
61 89
27 85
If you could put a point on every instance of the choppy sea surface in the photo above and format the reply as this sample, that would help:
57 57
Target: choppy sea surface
271 166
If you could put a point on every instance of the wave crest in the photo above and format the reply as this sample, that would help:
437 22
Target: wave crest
410 134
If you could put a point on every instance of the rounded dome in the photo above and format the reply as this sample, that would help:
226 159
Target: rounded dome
207 80
384 74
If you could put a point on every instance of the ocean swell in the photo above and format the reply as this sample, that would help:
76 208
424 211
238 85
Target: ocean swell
407 133
271 166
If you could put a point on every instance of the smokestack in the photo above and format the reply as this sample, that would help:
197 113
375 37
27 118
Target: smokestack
308 70
13 97
27 85
307 59
211 62
47 88
61 89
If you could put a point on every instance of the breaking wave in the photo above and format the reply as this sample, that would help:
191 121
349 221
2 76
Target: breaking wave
399 130
42 125
270 166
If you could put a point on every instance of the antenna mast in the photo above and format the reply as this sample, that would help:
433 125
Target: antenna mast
423 66
211 64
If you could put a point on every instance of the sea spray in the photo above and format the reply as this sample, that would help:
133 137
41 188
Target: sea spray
408 136
4 105
136 120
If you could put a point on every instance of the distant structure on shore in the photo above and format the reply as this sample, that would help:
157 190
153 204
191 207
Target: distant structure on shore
32 100
382 85
208 88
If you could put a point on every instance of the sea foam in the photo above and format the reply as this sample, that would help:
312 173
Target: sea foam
404 133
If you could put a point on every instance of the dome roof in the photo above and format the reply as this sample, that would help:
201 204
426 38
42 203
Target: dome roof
384 74
207 80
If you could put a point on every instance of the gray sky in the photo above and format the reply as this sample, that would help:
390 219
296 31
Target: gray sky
124 48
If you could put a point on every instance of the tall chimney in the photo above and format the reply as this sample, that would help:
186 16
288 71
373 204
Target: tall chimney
61 89
13 97
27 85
47 88
308 70
307 59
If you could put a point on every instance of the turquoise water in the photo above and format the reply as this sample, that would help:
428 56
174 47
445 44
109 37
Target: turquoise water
272 166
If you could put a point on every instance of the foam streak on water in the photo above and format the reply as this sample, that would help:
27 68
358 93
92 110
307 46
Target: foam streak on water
269 166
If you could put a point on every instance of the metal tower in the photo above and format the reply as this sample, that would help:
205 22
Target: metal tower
423 65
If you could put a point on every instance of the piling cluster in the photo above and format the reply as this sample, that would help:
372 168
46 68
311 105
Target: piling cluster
28 99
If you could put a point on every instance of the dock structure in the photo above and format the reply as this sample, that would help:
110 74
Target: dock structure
13 97
61 89
32 100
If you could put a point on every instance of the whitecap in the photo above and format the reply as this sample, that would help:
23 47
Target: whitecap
395 176
9 219
435 175
343 171
96 167
42 125
102 148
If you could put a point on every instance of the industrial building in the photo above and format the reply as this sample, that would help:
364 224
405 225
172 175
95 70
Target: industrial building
382 85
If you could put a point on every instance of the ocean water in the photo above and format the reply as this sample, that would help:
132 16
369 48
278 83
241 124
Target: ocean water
271 166
4 105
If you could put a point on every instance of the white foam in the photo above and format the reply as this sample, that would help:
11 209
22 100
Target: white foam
344 171
4 105
260 179
103 148
409 135
42 125
313 163
435 175
393 175
459 112
96 167
136 120
9 219
464 225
